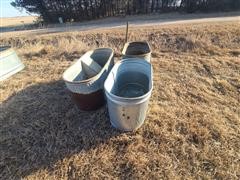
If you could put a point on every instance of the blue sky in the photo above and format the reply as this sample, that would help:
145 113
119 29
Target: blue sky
7 10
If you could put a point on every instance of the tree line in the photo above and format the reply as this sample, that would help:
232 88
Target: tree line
80 10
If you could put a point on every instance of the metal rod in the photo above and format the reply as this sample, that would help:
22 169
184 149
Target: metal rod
126 35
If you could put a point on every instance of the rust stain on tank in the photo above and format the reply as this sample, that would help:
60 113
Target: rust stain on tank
89 102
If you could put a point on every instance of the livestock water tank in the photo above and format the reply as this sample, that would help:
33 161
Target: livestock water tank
10 64
85 78
137 49
128 89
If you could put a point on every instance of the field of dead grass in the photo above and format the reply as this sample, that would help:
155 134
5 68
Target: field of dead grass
192 130
16 21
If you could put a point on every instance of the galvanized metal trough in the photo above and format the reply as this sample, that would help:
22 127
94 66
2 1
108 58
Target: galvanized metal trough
10 64
85 78
139 49
128 89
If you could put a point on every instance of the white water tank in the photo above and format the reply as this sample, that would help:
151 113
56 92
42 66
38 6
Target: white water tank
9 62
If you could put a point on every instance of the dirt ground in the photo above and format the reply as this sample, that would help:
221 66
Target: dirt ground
192 129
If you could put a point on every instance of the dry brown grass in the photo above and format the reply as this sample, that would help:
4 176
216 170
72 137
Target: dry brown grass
192 129
16 21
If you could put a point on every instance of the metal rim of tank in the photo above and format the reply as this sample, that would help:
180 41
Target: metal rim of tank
126 44
94 77
132 98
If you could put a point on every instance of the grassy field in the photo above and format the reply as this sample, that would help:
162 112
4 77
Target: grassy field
192 129
16 21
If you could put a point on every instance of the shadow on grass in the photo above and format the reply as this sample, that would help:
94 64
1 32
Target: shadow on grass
40 125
